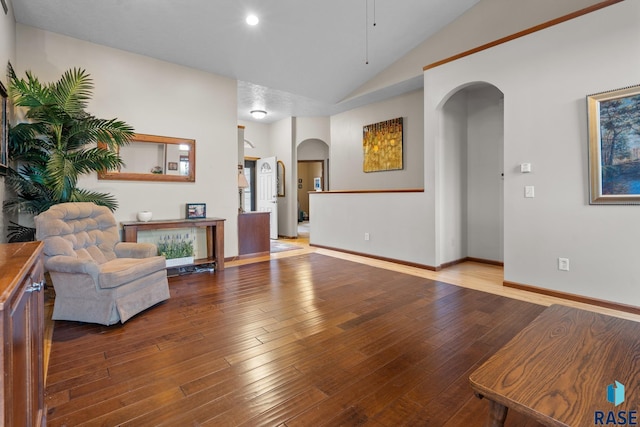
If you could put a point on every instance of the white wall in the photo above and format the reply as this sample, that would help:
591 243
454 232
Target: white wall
395 223
7 54
545 78
156 98
258 134
313 128
346 145
282 137
452 203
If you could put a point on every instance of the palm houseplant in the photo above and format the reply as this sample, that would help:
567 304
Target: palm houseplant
55 145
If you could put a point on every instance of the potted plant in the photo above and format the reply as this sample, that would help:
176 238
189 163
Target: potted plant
55 145
177 249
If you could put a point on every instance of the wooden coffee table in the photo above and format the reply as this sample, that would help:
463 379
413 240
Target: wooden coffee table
557 370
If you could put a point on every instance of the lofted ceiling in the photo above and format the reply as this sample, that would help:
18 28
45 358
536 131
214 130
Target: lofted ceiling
304 58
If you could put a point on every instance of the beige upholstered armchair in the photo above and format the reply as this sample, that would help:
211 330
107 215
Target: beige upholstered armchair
97 278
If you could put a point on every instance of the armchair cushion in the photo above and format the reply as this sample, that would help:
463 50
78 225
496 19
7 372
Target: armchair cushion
123 270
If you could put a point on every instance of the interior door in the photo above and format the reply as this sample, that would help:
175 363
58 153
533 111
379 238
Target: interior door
267 191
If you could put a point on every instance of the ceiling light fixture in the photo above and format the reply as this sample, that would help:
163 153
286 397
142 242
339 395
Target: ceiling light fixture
258 114
252 20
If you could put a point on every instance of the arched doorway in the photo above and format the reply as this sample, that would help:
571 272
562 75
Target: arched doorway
313 168
472 170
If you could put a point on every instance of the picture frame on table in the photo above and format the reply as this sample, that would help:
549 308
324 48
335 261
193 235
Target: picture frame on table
196 210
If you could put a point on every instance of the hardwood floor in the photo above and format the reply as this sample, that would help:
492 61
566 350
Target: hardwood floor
299 340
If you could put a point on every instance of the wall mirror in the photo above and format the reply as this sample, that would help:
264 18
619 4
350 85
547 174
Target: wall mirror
155 158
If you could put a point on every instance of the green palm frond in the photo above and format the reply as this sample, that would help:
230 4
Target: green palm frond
27 194
62 175
20 233
27 93
102 199
95 159
114 133
72 91
25 145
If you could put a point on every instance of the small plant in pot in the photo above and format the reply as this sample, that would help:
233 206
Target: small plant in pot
178 249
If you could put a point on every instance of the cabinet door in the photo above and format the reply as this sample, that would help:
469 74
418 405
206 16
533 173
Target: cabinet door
26 383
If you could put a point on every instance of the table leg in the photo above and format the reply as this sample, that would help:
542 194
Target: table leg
497 414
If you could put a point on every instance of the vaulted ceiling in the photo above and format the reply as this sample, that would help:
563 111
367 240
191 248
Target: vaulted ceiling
304 57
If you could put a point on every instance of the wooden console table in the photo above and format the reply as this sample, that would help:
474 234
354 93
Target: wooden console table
558 369
215 235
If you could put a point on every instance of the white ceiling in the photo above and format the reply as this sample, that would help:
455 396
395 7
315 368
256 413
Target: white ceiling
303 59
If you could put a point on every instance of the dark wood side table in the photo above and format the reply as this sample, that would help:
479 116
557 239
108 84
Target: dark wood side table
215 235
559 368
253 233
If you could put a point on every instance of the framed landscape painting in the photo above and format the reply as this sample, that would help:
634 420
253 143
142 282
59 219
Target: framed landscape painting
614 146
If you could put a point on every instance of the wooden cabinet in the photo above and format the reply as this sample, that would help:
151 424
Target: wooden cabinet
253 233
22 330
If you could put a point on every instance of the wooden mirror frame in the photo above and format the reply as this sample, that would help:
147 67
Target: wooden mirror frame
154 139
280 179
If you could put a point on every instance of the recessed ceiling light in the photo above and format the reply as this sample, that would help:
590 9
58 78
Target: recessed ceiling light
258 114
252 20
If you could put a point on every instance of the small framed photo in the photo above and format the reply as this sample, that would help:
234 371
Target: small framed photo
172 166
196 210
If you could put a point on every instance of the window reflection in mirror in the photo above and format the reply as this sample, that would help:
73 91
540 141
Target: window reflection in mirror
155 158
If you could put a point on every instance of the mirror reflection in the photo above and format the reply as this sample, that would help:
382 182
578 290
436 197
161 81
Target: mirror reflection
155 158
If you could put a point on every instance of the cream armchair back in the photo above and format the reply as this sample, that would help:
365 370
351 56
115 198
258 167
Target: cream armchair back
97 278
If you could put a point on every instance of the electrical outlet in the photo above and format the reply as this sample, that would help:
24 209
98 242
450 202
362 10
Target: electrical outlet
563 264
366 236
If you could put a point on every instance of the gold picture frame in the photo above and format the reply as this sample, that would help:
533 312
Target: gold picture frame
382 146
614 146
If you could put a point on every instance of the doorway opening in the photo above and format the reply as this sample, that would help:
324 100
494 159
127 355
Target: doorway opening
310 178
312 175
472 165
250 192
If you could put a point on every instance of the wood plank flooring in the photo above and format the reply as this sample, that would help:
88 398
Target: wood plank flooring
306 340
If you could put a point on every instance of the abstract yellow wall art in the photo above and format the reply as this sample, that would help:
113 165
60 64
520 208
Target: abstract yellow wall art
382 146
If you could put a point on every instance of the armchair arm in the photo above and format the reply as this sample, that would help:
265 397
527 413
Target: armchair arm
69 264
135 250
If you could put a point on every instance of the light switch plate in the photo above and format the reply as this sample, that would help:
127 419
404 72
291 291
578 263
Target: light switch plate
529 191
